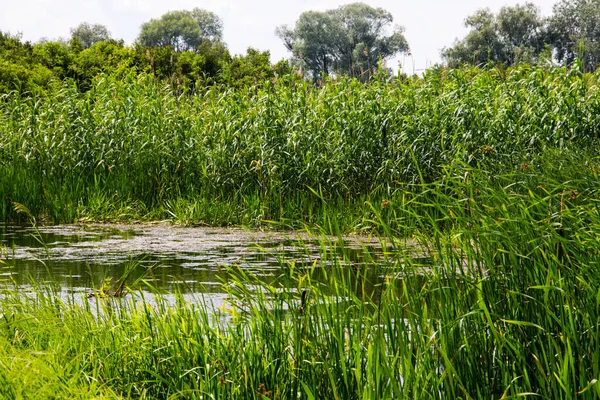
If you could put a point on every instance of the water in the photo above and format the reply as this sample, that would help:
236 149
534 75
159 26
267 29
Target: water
187 260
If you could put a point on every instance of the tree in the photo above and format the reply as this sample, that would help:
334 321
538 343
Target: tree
312 41
482 43
522 32
54 56
109 57
187 67
348 40
20 69
182 30
514 35
365 42
89 34
575 32
253 68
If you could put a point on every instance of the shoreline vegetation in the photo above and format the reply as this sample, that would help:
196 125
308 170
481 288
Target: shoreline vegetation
494 172
288 152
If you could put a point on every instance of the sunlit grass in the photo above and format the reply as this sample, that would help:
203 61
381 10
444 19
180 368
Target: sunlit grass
131 149
507 306
494 174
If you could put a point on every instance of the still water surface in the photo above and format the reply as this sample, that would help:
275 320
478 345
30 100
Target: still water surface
188 260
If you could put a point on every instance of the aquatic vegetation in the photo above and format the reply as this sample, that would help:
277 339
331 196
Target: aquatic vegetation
288 152
507 307
494 173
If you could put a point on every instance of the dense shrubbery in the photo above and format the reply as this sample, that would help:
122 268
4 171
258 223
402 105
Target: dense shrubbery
28 68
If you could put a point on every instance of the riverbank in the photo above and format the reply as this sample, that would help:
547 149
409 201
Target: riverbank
506 307
493 174
332 157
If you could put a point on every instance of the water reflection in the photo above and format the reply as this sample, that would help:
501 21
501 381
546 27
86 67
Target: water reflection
188 260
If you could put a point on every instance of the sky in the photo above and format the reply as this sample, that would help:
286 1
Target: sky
430 25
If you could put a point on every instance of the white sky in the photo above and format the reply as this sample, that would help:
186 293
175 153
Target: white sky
430 24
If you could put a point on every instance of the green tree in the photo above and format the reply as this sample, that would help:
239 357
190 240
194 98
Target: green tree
54 56
20 69
251 69
364 41
481 44
110 57
574 32
182 30
349 40
522 32
312 42
88 34
514 35
187 69
75 46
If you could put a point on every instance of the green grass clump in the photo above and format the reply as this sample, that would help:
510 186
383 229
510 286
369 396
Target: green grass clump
506 307
131 149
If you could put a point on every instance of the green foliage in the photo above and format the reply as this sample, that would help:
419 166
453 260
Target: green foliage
575 32
107 57
494 296
349 40
23 78
54 56
20 67
516 34
188 69
75 46
88 34
214 57
251 69
13 49
283 68
182 30
31 68
312 42
364 42
264 151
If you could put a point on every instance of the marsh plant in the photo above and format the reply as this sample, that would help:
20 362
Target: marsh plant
492 176
284 151
506 307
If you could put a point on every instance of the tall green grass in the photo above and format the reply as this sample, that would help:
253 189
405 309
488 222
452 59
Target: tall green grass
493 175
131 148
506 307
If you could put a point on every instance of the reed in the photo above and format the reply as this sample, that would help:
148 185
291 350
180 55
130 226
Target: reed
493 174
132 149
505 306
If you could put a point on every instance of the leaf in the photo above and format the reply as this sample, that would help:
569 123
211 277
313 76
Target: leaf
308 392
522 323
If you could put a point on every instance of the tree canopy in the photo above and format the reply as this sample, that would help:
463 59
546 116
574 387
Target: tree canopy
513 35
574 31
20 68
348 40
185 48
88 34
182 30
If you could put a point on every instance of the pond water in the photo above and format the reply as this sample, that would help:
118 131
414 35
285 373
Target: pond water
80 258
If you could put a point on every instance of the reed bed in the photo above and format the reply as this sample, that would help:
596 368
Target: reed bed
506 307
494 173
285 151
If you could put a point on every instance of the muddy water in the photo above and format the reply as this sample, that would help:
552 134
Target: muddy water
189 260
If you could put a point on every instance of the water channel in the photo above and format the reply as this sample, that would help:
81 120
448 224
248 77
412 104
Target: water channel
189 260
